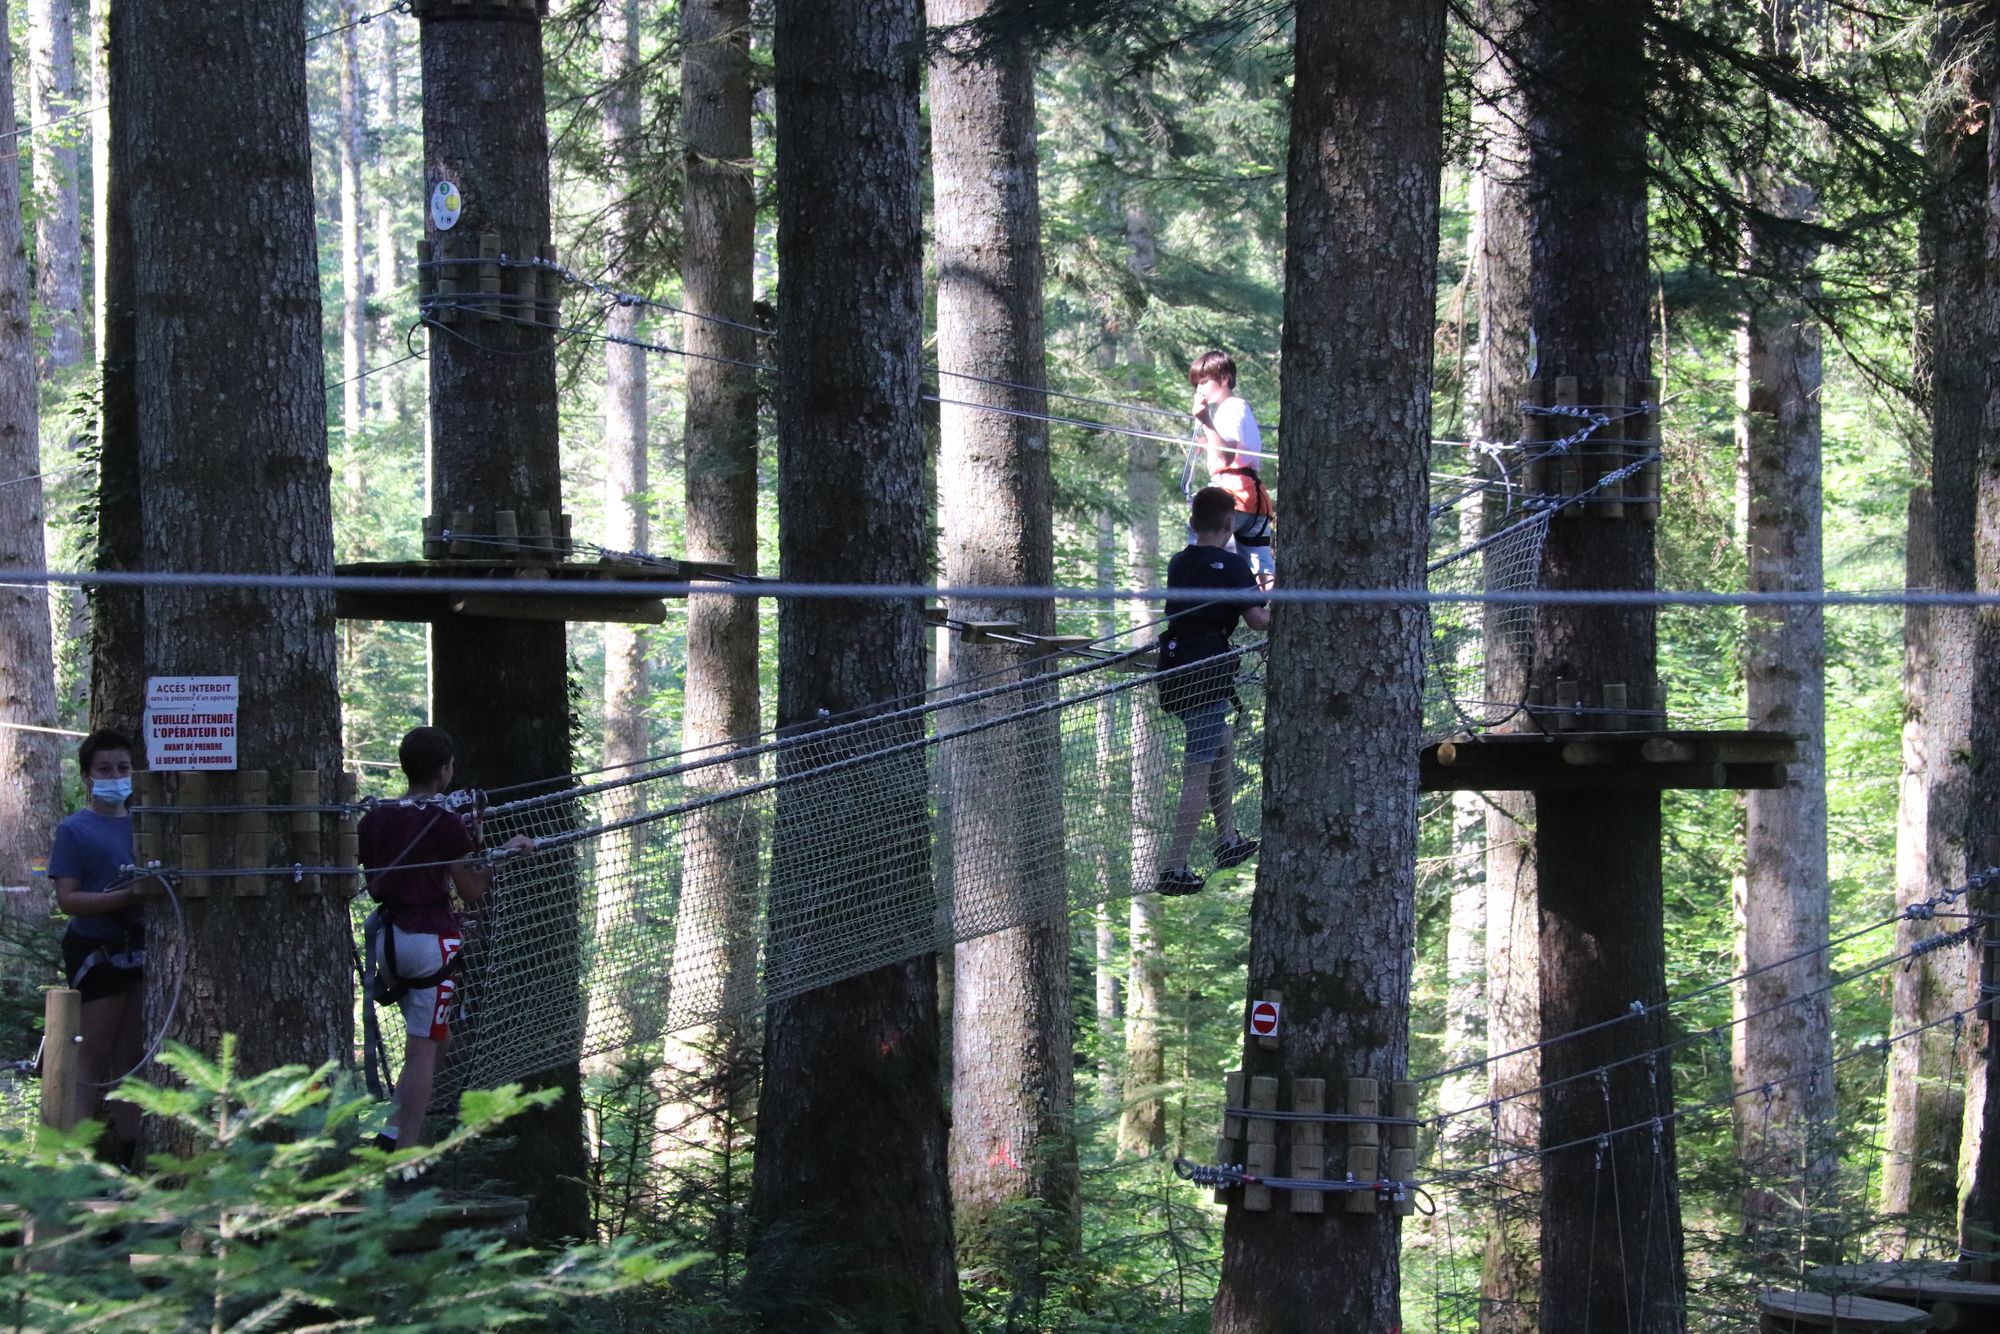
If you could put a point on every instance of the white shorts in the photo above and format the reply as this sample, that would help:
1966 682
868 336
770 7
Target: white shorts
426 1010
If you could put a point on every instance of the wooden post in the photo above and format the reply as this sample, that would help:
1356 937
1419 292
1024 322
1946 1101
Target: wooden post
1260 1156
1364 1139
527 284
461 524
541 541
253 830
146 839
1616 701
445 281
347 840
1403 1141
1569 464
507 528
1612 457
489 275
305 826
433 545
550 311
1566 701
1647 433
1308 1145
62 1031
1531 433
1232 1129
191 789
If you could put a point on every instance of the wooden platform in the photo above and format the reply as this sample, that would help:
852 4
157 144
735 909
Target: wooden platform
1606 761
557 591
1954 1303
1785 1312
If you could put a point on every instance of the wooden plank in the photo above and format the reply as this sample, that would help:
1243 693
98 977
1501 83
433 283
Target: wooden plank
1611 457
1260 1154
1433 777
253 829
1843 1311
1569 464
1665 750
984 632
1308 1145
1226 1147
1058 643
936 615
1646 430
555 607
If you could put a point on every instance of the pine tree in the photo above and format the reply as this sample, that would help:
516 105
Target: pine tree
1333 923
850 1190
218 209
31 767
1597 854
501 687
1012 1034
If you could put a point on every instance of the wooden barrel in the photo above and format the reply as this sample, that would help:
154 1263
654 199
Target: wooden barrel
1787 1312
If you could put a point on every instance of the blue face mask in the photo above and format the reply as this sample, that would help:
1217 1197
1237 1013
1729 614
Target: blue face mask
111 791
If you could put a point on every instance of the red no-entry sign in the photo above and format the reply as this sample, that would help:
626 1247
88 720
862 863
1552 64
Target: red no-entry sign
1264 1019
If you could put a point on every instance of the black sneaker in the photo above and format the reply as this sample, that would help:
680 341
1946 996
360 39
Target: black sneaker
1235 852
1176 880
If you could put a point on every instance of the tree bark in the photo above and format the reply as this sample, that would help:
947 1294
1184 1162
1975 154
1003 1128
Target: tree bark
101 185
1781 1139
716 934
1511 1264
1333 922
58 222
501 687
851 1227
1142 1123
31 763
625 735
1979 1185
1104 933
231 424
1924 1105
1012 1039
1598 855
390 319
117 615
353 288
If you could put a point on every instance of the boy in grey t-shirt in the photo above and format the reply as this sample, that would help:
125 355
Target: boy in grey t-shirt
104 947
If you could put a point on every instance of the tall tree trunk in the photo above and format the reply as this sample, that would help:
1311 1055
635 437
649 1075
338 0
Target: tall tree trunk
1979 1169
231 424
353 289
500 687
1012 1039
716 934
58 222
1104 934
117 615
31 763
1603 943
390 319
1924 1106
1781 1139
1142 1124
625 738
1512 1261
852 1227
101 185
1333 923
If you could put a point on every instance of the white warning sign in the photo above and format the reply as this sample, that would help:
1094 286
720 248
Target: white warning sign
191 722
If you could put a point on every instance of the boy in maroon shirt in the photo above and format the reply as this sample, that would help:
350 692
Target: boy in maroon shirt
417 852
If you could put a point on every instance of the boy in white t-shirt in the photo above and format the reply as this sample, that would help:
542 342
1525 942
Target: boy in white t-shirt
1233 444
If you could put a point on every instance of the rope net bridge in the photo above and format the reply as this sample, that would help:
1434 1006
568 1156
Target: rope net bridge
712 884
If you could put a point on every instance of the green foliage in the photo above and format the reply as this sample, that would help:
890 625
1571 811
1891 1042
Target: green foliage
274 1218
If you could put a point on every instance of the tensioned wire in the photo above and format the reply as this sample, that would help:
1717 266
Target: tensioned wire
775 588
